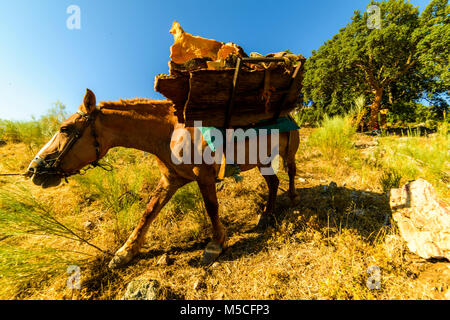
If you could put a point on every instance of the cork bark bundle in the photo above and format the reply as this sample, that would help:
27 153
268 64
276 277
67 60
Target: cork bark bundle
200 82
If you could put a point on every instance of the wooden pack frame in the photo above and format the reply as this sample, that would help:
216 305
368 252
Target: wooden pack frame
233 97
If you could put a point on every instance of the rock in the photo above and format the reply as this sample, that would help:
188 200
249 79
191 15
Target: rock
142 290
164 260
199 284
220 296
89 225
332 186
423 219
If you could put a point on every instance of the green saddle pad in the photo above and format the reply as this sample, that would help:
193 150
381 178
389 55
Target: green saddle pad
284 124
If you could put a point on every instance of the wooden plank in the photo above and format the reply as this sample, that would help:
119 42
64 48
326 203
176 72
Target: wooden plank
291 96
209 96
191 65
176 89
233 93
262 59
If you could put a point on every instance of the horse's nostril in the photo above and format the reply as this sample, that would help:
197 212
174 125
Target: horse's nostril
29 173
34 166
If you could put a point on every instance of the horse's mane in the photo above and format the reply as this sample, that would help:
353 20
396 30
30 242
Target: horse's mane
160 107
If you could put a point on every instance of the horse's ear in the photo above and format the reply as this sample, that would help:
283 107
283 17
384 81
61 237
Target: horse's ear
89 102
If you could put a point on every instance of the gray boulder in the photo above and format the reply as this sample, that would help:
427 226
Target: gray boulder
142 290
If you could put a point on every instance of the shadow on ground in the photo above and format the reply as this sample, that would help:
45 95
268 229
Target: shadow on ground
333 208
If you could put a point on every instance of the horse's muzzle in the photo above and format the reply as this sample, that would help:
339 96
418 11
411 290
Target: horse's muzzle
41 175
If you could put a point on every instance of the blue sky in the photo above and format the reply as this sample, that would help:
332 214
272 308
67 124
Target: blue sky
123 45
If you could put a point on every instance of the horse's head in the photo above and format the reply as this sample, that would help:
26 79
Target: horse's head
73 147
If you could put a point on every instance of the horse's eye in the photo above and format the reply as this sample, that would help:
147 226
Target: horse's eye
64 130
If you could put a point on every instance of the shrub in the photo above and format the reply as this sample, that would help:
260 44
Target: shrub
35 132
334 138
390 180
414 156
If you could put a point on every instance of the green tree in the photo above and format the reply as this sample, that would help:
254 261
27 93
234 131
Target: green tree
433 52
377 62
433 45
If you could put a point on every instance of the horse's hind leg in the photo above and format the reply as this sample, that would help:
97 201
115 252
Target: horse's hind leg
161 195
264 219
292 171
218 243
293 144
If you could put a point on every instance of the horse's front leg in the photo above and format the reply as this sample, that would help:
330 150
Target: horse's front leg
219 240
161 195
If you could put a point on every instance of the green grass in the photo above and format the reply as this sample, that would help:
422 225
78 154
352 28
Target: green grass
390 179
118 192
25 261
414 157
35 132
25 270
335 137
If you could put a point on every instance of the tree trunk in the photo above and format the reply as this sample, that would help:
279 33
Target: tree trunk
375 109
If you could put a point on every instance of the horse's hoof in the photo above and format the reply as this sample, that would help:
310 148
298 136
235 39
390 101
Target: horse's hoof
212 252
295 201
263 223
120 260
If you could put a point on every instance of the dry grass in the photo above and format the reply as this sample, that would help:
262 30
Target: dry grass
320 249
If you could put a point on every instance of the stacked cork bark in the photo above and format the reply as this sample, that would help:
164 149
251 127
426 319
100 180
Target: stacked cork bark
202 82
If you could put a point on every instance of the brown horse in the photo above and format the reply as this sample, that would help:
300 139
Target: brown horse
147 125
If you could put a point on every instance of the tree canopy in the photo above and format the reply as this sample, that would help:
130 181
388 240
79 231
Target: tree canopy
402 59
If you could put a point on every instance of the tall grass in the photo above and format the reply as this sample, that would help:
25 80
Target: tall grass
119 193
390 179
24 270
124 193
35 132
31 235
415 156
24 214
334 137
